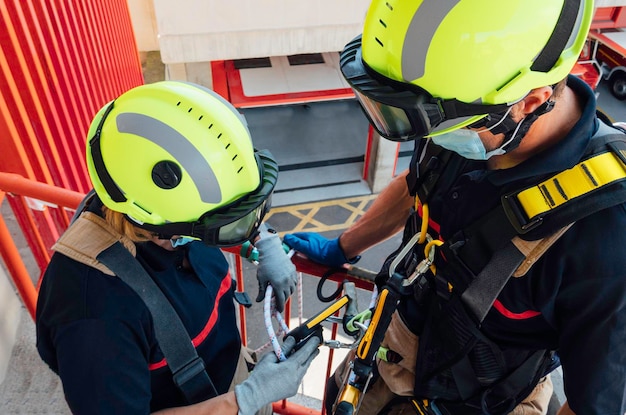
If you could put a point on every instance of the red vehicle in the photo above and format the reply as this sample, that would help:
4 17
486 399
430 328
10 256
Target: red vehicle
587 67
608 49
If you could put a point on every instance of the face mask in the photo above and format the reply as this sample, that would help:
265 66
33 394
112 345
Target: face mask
467 143
183 240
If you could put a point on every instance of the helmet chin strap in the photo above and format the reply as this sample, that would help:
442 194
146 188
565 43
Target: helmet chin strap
514 132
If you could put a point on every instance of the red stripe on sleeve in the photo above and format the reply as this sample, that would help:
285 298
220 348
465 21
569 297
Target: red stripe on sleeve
224 288
514 316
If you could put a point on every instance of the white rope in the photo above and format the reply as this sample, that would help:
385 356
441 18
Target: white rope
300 311
269 311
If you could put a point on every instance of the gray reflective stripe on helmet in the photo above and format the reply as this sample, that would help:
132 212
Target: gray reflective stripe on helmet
419 35
579 20
178 146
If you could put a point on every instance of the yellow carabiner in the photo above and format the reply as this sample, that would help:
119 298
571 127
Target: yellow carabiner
424 228
427 253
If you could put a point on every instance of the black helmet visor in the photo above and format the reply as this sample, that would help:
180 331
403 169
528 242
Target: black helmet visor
402 111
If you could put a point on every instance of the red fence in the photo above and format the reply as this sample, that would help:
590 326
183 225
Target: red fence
43 212
60 61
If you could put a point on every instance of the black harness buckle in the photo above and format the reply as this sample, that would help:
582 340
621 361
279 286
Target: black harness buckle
518 219
189 371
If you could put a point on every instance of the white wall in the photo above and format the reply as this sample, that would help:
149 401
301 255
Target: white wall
206 30
188 31
610 3
144 24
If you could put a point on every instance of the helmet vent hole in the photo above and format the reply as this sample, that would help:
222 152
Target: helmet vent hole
234 157
227 145
383 24
178 103
379 42
389 6
142 208
240 169
189 110
219 136
200 117
210 126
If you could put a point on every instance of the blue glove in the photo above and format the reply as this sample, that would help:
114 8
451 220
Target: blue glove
319 249
275 268
272 380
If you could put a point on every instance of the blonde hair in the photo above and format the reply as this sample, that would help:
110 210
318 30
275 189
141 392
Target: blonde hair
121 225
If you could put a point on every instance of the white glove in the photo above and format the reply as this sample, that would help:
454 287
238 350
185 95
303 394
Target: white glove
273 380
275 268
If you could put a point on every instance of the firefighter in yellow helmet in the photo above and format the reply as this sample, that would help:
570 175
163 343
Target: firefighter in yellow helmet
501 130
136 309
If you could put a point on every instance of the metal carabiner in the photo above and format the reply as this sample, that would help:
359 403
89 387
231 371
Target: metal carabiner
421 268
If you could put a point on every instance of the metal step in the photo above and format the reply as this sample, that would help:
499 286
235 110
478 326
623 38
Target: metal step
319 183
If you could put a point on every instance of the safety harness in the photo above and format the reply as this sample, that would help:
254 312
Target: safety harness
459 368
114 254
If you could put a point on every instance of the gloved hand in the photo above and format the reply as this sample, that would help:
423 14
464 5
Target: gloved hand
272 380
275 268
319 249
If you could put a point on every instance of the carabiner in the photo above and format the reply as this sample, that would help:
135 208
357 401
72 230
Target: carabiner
423 266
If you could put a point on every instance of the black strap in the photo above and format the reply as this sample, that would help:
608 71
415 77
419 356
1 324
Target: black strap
524 379
484 289
551 52
187 367
84 204
98 162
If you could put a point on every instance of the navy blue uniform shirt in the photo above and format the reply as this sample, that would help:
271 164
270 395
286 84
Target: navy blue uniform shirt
97 334
573 299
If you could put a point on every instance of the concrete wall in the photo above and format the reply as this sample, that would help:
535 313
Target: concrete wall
9 320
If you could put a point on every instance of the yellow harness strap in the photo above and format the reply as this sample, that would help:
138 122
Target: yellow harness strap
86 237
587 176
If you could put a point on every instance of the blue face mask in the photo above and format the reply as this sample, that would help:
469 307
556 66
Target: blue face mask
183 240
467 143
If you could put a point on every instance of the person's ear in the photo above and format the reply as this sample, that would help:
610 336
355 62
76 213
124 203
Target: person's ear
535 98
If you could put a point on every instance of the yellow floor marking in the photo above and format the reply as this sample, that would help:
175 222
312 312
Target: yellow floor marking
308 221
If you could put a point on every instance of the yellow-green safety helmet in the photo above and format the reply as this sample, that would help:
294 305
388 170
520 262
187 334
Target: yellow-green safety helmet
447 63
177 158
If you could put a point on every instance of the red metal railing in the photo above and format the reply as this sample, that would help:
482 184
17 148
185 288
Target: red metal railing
45 212
60 61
